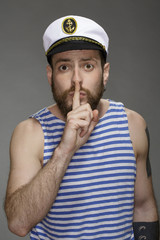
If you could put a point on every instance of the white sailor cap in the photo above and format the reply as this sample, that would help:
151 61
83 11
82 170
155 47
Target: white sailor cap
74 32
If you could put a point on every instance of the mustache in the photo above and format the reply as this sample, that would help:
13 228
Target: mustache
72 89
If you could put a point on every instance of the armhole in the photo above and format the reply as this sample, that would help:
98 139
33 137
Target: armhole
40 121
129 132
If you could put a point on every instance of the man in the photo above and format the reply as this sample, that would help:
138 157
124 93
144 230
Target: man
80 168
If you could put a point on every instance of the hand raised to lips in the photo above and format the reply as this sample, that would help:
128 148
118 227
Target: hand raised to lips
79 124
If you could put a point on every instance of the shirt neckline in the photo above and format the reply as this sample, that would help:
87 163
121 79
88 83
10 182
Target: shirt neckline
55 117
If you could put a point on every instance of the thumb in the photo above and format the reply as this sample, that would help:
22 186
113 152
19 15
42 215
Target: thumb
95 116
94 121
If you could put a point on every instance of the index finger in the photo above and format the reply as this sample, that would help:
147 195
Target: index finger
76 97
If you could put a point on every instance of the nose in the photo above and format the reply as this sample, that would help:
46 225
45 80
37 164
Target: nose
76 75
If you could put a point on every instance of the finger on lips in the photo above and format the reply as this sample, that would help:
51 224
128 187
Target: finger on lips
76 97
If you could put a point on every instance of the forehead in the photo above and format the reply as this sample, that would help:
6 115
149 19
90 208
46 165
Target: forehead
76 55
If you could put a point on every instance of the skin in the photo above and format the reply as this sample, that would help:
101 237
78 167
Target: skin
32 188
145 206
67 68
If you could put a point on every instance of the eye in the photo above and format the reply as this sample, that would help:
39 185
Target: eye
88 66
63 68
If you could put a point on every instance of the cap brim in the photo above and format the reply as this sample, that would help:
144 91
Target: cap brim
75 45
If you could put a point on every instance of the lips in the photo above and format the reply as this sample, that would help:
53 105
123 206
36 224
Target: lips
82 94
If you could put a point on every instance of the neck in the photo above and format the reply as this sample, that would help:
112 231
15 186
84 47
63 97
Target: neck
102 107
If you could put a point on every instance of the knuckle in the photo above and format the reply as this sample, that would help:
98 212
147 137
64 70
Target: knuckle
88 106
86 123
69 115
68 118
89 116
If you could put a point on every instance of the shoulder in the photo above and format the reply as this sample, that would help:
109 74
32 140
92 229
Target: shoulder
137 128
28 127
28 134
135 120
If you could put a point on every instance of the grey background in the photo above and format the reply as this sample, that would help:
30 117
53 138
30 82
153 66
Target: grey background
134 30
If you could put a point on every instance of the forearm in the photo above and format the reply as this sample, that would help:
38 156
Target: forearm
29 204
146 223
146 210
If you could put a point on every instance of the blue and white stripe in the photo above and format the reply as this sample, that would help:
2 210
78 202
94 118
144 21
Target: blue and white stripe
96 196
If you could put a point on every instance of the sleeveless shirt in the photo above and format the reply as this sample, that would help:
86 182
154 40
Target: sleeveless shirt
96 195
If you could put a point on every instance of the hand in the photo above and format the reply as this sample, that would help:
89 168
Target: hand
79 125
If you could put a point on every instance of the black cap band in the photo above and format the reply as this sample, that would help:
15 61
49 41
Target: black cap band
74 45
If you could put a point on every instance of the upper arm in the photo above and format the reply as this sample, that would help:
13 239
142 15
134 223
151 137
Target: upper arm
144 196
26 152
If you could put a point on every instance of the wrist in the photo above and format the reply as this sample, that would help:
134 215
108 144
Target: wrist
62 153
65 151
59 162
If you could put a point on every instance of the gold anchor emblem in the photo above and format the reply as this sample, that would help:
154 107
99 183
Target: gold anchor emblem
69 25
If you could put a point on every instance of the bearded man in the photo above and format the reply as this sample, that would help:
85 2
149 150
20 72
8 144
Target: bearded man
80 168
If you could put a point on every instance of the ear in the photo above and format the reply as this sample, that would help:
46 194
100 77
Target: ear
49 74
106 73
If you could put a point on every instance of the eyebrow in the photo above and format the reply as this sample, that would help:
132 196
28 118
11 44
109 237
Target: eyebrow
62 60
88 59
69 60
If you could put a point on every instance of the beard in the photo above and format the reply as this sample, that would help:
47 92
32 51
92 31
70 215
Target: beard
65 107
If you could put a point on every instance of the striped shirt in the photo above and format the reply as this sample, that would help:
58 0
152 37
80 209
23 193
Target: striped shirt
96 195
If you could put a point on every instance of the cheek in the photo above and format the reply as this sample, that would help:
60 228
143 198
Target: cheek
60 84
93 81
